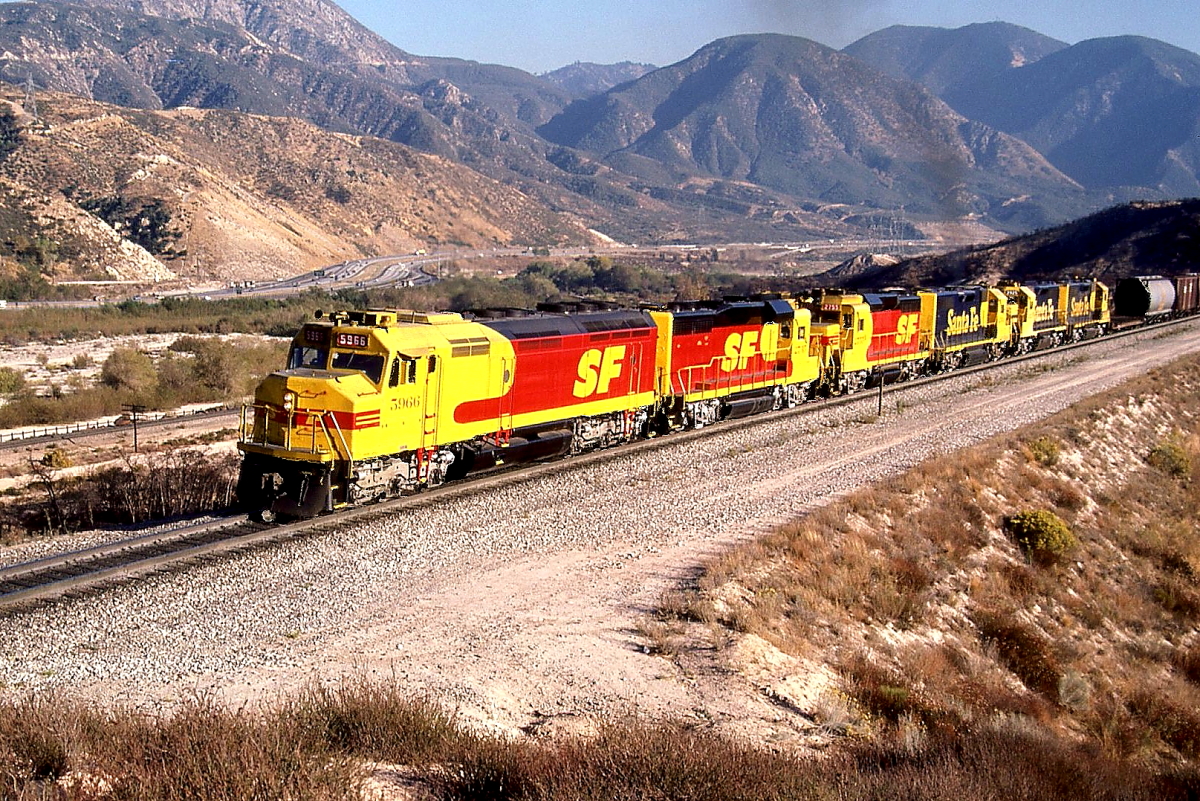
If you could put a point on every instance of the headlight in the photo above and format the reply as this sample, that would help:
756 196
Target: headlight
289 401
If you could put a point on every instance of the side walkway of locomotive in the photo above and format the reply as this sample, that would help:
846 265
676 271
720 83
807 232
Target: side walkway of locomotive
379 403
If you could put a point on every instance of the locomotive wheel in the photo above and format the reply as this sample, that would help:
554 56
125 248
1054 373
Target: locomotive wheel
266 515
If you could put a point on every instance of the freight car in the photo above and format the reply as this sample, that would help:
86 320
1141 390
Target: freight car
1144 298
1187 294
378 403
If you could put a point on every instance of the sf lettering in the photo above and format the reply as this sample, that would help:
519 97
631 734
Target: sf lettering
597 369
740 348
906 328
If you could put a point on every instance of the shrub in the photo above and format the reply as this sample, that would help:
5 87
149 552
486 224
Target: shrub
1171 458
1044 451
10 381
129 369
1074 692
1176 723
56 459
1188 662
377 721
1023 650
1041 535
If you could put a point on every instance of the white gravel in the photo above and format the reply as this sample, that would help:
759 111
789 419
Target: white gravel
290 610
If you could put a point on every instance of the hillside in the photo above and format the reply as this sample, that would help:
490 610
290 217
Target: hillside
1118 115
1132 239
584 79
1111 113
800 118
831 132
235 196
752 138
952 61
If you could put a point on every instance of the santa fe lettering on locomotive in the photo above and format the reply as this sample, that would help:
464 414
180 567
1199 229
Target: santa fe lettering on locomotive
597 369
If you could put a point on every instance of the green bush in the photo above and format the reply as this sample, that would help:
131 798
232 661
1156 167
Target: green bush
131 370
1041 534
10 381
1044 451
1171 458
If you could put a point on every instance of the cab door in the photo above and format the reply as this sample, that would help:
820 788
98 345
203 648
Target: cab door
404 399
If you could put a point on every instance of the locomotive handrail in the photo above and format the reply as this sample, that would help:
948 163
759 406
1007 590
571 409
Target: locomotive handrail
341 436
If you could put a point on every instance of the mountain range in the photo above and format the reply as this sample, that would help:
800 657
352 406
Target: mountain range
752 137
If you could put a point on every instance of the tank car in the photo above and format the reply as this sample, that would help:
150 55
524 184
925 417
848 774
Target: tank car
1144 297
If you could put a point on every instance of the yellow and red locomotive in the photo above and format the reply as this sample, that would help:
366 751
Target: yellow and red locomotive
377 403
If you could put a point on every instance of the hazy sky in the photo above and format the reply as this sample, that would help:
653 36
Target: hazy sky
541 35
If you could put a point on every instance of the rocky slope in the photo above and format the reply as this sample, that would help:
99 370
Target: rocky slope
801 118
584 79
952 61
243 196
1119 115
1133 239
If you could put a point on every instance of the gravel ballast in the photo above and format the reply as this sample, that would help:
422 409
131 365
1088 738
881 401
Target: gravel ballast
523 598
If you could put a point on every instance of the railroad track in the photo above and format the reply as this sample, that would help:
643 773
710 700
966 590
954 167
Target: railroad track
80 573
21 442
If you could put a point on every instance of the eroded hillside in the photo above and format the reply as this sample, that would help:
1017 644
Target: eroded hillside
201 195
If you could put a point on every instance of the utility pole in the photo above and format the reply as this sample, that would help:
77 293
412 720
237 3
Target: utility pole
133 410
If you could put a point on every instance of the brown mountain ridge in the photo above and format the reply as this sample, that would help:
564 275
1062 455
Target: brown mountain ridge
1141 238
241 196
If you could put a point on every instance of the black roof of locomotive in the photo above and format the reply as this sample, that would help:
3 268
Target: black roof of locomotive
534 325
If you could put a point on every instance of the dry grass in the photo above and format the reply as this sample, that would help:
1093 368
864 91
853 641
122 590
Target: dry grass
318 746
1096 634
987 674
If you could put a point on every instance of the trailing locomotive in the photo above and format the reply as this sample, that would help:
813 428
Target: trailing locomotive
379 403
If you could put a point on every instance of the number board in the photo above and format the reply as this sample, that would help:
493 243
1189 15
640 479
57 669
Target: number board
345 339
317 336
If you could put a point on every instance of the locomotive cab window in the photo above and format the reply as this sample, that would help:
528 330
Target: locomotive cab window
368 364
404 371
304 356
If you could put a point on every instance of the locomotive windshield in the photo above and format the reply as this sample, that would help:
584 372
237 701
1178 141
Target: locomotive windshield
302 356
371 366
